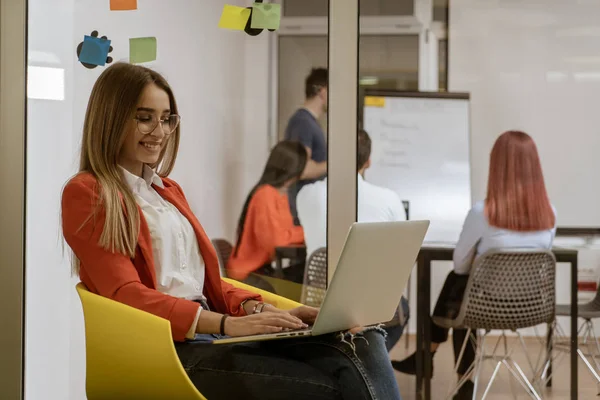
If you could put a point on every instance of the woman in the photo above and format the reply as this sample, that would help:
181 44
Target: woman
136 240
266 221
515 214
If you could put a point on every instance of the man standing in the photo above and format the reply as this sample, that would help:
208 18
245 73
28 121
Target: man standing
304 127
375 204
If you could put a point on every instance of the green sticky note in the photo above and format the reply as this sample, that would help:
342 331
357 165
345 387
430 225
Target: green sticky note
234 17
266 16
142 50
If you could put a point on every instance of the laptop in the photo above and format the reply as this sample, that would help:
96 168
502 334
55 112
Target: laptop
367 285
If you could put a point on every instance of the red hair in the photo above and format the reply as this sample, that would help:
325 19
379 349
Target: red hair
516 194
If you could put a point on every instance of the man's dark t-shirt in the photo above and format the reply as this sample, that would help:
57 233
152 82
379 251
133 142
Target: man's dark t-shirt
303 127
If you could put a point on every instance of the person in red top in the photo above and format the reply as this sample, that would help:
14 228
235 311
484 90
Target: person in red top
135 240
266 221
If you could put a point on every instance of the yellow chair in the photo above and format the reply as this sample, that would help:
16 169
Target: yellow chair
130 353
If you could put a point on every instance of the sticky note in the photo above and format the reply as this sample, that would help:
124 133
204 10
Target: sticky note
266 16
372 101
142 50
123 5
234 17
94 50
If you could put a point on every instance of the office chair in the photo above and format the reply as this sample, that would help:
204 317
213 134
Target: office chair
507 290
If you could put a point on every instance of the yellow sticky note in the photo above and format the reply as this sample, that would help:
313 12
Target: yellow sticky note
234 17
372 101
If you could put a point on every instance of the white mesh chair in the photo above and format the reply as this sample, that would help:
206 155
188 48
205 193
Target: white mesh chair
315 279
507 290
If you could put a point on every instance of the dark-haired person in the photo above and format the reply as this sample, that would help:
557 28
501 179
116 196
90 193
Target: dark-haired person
266 222
304 127
516 213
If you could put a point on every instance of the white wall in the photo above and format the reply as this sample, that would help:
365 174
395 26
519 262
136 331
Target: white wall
50 147
221 87
534 66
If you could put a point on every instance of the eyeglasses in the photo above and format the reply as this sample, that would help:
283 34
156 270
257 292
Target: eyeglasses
147 123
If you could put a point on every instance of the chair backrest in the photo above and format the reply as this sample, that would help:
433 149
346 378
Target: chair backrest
130 353
315 278
224 249
510 289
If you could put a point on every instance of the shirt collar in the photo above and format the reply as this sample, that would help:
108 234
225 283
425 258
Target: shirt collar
149 177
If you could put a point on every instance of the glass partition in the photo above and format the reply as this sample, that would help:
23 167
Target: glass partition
224 92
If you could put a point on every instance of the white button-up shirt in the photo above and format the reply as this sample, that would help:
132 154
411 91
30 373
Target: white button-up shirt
178 263
375 204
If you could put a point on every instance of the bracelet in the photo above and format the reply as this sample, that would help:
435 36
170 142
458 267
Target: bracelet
223 318
243 303
255 309
258 308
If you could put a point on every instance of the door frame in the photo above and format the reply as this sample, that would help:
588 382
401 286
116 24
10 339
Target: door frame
13 103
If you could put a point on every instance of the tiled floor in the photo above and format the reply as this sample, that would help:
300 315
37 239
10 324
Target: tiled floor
444 375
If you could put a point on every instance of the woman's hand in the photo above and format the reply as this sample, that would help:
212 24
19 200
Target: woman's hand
308 315
265 322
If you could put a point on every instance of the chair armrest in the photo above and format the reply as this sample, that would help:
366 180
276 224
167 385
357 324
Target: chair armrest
268 297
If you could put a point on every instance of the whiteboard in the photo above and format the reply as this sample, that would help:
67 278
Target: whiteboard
420 149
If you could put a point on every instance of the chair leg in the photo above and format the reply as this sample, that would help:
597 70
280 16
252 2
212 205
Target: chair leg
510 382
532 392
588 365
489 385
535 368
560 349
595 337
594 344
506 360
589 336
479 362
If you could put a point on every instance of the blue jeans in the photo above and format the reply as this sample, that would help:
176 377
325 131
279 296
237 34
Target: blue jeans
394 332
334 366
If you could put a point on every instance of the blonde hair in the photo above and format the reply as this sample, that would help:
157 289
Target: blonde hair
112 106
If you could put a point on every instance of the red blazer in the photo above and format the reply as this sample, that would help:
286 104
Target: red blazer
133 281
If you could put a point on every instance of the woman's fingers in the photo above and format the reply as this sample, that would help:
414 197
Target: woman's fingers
284 317
283 322
262 329
278 320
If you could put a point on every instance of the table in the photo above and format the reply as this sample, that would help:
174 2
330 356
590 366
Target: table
294 252
431 253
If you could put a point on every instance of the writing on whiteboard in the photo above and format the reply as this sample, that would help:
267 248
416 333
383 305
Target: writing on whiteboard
421 150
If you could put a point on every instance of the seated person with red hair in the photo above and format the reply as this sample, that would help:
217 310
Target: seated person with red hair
515 214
